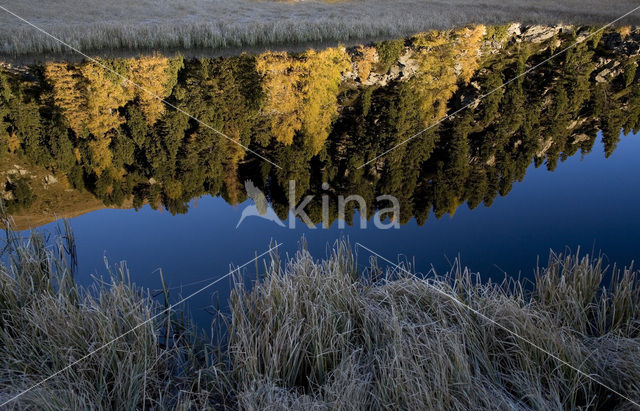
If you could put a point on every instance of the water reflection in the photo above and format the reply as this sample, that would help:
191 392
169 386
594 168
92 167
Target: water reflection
76 138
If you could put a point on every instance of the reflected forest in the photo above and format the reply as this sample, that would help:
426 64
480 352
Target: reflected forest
319 115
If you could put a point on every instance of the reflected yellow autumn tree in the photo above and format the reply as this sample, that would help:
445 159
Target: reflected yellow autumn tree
156 76
305 103
283 75
90 95
365 59
69 93
302 93
106 93
100 154
445 58
320 91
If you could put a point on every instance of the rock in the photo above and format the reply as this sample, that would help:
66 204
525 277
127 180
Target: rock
378 79
457 68
7 195
405 68
50 179
515 29
576 123
579 138
407 59
546 145
494 46
610 71
538 34
582 36
409 66
350 75
18 170
152 181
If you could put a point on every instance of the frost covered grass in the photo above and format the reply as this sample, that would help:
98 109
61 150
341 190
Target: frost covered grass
319 334
243 24
47 323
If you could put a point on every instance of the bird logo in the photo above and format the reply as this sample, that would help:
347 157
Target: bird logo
260 207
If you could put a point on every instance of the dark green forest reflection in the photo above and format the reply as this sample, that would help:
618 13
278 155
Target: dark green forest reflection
319 115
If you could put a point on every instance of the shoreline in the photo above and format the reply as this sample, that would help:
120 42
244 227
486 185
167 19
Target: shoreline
316 333
224 27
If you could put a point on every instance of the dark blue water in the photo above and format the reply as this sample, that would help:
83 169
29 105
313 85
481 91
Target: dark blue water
589 202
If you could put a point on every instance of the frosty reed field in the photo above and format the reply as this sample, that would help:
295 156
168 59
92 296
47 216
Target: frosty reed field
319 334
183 25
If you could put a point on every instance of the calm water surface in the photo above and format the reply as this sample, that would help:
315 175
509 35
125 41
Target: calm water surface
548 162
590 203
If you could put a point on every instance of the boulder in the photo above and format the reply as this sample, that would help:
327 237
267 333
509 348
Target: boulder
538 34
7 195
579 138
50 179
514 29
610 71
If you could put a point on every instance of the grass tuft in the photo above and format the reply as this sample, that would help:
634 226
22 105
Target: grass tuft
321 334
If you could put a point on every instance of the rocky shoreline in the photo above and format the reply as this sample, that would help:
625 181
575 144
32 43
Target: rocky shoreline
407 67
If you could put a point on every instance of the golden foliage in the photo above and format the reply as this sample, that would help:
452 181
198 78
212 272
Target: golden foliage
69 93
77 154
321 93
366 58
153 75
100 154
469 41
302 93
446 58
13 143
104 96
624 31
90 95
282 77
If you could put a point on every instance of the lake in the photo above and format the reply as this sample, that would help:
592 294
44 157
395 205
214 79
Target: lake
546 161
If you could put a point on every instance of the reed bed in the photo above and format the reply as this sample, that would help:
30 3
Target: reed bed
208 25
322 334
